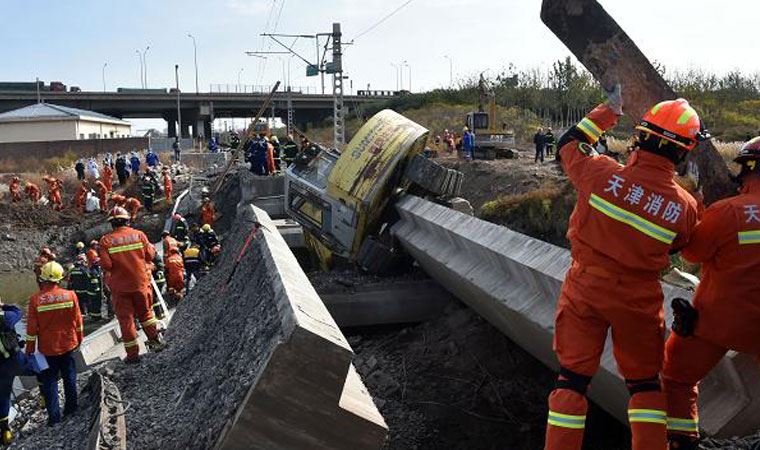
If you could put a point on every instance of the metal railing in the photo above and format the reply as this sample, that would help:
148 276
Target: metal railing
255 89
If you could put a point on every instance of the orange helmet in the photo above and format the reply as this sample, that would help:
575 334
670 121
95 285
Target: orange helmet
675 121
118 213
118 198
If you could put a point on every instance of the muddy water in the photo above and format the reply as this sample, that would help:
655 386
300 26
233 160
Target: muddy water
17 287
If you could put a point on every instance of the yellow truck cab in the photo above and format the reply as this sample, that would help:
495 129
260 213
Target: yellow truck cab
341 198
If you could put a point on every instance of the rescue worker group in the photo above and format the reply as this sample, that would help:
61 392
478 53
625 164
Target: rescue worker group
629 219
117 275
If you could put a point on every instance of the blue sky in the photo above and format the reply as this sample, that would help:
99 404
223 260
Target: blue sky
70 40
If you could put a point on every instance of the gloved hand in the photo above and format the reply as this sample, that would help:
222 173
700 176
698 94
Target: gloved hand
684 317
615 99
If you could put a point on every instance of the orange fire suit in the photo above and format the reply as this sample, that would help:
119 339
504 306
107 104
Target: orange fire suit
207 214
33 192
727 244
175 273
168 187
15 189
54 187
102 191
270 159
133 205
126 255
80 197
92 257
54 322
168 243
108 177
626 221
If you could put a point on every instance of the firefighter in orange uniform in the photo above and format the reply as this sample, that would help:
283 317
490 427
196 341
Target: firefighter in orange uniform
80 197
208 212
626 222
15 189
168 186
175 273
55 328
93 259
108 177
102 192
167 242
118 200
132 205
726 310
32 191
54 186
127 255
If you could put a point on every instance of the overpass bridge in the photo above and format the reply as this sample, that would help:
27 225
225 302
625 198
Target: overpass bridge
198 110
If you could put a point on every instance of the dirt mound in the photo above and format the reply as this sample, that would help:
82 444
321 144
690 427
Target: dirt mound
487 180
458 383
37 216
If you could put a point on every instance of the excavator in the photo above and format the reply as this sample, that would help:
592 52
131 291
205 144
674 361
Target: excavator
343 199
490 142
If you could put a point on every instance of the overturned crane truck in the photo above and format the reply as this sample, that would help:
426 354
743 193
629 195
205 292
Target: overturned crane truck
342 199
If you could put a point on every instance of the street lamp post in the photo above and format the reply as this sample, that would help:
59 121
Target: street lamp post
395 72
179 111
195 59
239 72
142 80
145 64
104 76
451 70
408 66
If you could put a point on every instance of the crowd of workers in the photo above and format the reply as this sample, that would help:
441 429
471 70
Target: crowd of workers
267 156
120 275
627 222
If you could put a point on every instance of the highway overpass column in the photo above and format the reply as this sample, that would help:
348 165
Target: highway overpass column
172 127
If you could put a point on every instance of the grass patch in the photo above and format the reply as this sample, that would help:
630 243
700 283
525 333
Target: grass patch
542 213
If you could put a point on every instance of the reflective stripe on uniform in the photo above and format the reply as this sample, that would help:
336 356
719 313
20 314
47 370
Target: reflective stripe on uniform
125 248
31 337
149 322
621 215
132 343
567 420
590 129
55 306
686 425
749 237
648 416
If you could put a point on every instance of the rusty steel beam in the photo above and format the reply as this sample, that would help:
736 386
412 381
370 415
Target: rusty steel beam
599 43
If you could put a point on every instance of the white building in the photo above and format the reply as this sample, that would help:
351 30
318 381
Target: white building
48 122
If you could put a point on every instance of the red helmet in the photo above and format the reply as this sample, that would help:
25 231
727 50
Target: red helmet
94 243
750 151
675 121
176 217
118 213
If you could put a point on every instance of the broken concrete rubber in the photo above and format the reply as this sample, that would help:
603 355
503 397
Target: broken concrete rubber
433 177
204 160
307 393
513 281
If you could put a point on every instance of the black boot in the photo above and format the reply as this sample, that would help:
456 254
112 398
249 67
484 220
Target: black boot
683 442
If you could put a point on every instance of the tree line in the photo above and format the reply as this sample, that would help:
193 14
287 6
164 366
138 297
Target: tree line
561 94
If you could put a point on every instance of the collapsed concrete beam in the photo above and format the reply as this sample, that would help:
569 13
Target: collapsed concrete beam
402 302
513 281
308 395
202 160
267 193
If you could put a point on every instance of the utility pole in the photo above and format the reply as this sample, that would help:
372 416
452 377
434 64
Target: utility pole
195 59
395 72
179 111
339 138
104 76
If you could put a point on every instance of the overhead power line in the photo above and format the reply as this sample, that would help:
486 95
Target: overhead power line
379 22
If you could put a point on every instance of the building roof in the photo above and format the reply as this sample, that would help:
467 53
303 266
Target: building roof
48 111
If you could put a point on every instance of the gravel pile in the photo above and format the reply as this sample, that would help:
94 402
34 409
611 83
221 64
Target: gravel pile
218 342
